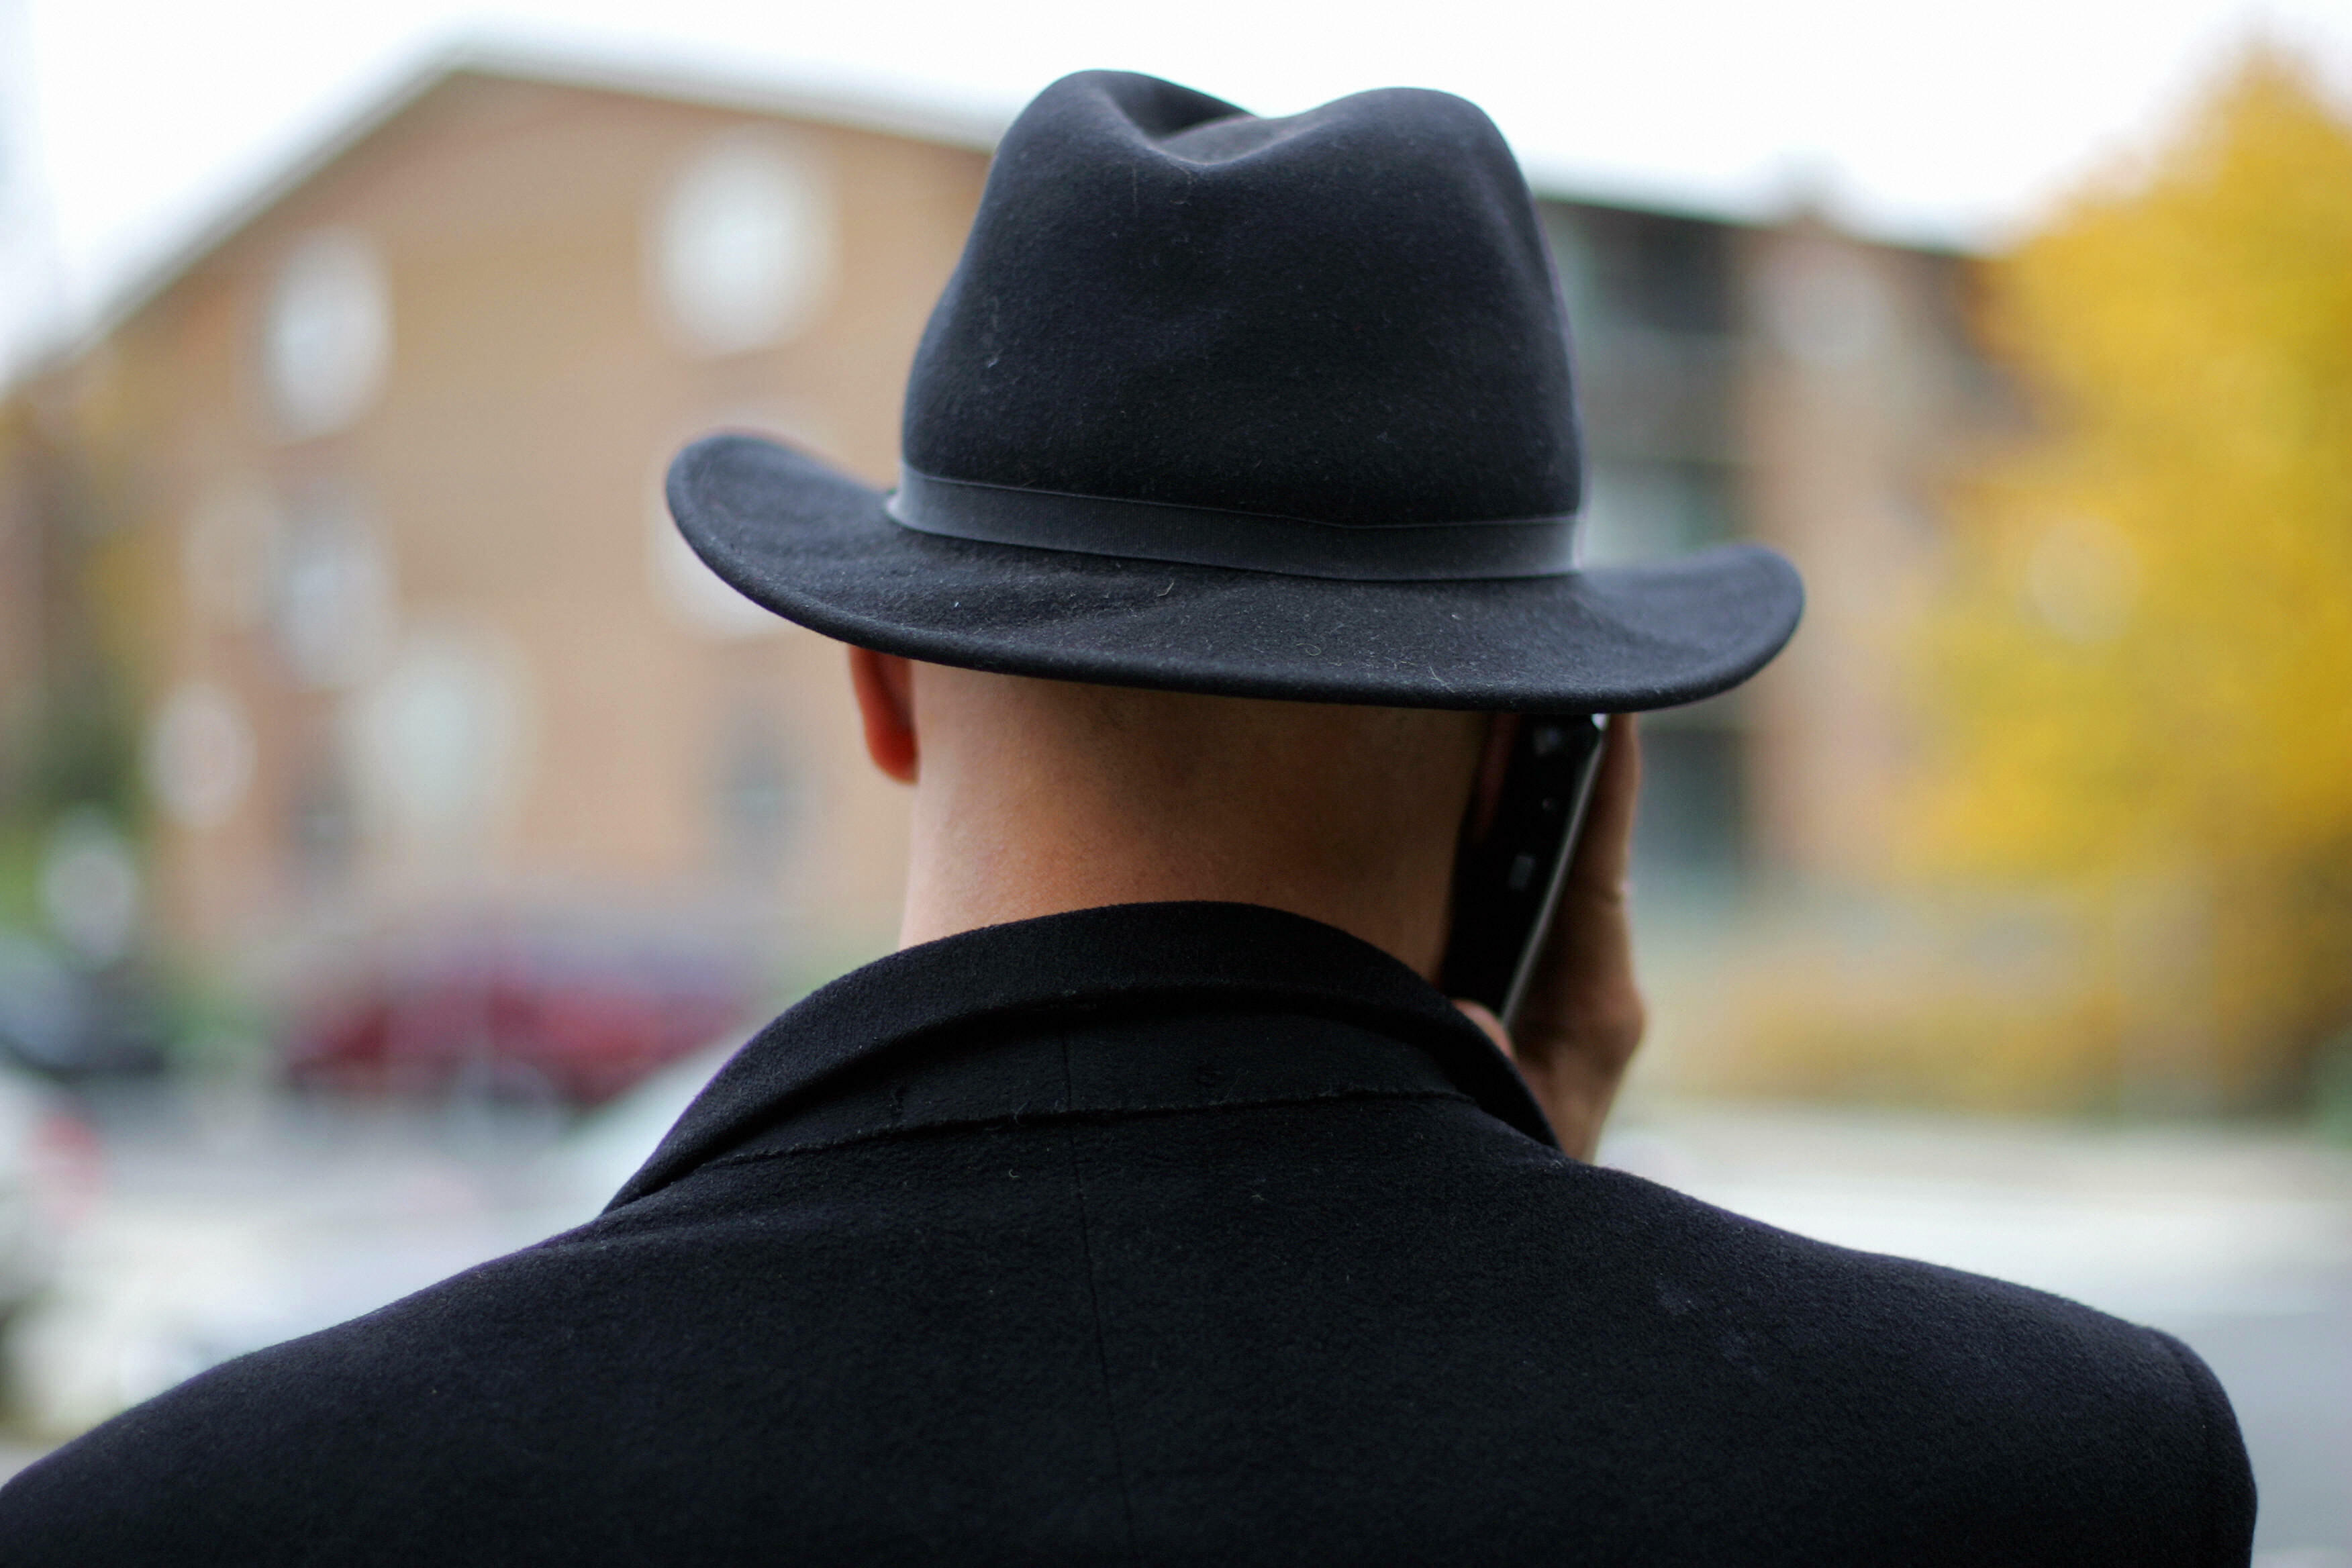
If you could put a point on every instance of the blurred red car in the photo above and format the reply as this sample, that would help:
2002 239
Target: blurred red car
517 1019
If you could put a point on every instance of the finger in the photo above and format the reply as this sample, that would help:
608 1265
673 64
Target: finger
1582 996
1583 1018
1605 850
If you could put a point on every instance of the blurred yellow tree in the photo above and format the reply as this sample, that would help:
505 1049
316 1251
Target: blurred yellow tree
2144 673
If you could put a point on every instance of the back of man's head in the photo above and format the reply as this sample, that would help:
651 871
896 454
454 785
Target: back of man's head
1033 796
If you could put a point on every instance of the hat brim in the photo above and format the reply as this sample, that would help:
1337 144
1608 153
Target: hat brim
817 548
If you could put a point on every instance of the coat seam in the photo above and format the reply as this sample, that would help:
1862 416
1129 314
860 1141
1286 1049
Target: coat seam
1094 1307
1040 1119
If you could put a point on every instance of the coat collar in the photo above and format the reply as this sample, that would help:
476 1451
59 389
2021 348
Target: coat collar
1064 968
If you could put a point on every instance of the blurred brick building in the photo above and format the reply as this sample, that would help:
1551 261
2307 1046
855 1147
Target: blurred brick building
367 483
376 467
1793 385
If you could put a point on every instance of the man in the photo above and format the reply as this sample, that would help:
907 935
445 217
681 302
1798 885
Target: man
1151 1204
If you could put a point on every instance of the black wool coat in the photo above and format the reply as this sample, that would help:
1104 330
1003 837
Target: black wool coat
1164 1234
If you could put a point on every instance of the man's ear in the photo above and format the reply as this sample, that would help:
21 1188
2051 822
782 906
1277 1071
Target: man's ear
886 701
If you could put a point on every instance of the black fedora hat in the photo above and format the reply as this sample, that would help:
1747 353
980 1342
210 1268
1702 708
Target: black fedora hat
1259 408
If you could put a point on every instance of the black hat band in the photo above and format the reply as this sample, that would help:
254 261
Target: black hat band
1248 541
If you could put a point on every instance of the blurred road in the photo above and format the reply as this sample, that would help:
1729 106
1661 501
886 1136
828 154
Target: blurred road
230 1220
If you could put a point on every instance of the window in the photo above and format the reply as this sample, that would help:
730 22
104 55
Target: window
1644 271
1689 840
327 333
1655 511
333 603
439 740
744 243
757 795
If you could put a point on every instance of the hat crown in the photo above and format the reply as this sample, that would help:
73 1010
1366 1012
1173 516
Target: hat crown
1346 315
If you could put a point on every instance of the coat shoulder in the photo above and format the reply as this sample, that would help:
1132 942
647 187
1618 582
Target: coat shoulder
2043 1381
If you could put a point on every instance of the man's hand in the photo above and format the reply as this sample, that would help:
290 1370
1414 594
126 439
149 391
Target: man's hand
1583 1018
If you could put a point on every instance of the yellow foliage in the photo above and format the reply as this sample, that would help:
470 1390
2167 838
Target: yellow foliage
2143 675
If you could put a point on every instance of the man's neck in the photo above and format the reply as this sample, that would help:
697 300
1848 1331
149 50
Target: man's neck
968 871
1030 810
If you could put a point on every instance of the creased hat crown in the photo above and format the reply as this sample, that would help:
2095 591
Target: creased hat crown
1346 315
1271 408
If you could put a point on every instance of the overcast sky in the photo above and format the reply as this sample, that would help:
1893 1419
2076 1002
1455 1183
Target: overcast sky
1950 120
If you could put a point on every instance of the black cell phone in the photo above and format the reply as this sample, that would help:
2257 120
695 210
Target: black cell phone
1507 879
